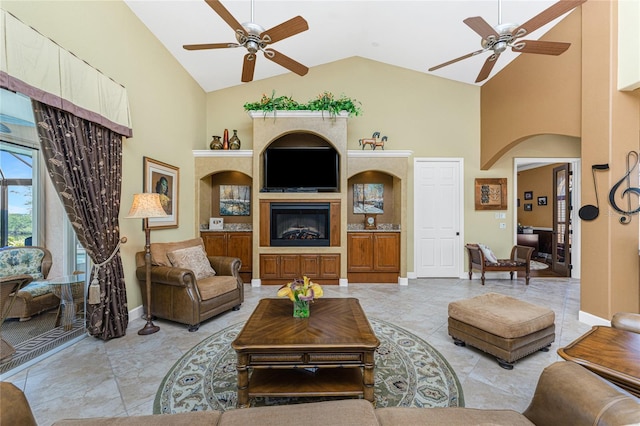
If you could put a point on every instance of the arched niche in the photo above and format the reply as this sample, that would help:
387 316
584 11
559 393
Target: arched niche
209 196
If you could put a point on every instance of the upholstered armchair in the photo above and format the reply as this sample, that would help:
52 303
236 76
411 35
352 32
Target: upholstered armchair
626 321
187 286
37 296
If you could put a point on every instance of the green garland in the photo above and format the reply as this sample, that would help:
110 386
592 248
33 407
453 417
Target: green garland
323 102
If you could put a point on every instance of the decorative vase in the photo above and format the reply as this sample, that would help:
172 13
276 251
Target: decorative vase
234 141
301 309
225 139
216 143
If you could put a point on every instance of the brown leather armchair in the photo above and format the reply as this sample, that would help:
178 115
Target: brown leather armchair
178 296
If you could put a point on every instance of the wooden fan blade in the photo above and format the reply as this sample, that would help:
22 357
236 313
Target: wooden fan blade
286 62
547 15
287 29
225 15
457 59
487 67
248 66
480 26
209 46
541 47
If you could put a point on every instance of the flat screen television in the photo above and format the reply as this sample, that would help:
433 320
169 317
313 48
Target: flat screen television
301 169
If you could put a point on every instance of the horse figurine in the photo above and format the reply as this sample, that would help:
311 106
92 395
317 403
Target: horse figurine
373 141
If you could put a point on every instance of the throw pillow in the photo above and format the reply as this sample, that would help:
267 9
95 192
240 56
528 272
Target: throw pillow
193 258
488 253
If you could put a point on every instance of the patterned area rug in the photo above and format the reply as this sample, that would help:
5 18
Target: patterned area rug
409 373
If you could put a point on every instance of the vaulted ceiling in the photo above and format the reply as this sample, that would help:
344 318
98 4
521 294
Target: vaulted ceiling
416 34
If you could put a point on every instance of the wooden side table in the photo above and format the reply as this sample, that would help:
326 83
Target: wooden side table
610 353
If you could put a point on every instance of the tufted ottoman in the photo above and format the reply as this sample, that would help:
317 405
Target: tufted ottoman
502 326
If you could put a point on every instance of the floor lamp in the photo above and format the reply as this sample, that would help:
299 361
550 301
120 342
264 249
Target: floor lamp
145 206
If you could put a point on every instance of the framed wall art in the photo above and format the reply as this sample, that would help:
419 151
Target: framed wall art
491 194
528 207
542 201
528 195
163 179
368 198
235 200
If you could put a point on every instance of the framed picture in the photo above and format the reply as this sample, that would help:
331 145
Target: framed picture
235 200
491 194
542 201
162 179
528 195
368 198
216 223
528 207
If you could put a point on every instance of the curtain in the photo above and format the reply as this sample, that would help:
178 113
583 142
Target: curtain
84 161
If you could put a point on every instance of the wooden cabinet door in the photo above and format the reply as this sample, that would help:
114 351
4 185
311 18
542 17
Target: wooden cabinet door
330 266
239 244
387 252
359 252
310 265
289 266
215 243
269 266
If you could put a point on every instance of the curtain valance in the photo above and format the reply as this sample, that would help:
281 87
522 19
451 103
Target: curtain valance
35 66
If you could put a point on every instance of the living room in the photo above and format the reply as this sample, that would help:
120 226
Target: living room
430 116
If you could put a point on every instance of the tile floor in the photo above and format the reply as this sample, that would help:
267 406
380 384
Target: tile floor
120 377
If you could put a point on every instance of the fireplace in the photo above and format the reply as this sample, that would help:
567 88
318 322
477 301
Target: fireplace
300 224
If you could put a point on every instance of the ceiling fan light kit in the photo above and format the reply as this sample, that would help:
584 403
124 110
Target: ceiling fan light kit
255 38
503 36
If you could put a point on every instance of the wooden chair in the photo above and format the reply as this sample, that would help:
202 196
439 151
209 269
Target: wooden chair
520 260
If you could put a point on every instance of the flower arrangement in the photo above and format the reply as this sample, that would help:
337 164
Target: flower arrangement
325 101
301 290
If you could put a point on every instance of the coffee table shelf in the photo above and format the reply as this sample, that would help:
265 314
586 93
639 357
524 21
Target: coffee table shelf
275 351
297 382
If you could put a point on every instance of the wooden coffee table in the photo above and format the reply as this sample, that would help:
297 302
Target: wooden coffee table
331 353
611 353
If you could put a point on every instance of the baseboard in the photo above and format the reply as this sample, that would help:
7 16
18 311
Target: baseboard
256 282
343 282
403 281
136 313
591 319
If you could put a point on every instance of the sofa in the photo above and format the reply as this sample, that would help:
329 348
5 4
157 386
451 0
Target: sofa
187 286
36 297
566 394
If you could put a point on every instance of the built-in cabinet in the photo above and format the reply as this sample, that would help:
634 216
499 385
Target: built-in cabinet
332 264
234 244
373 257
282 268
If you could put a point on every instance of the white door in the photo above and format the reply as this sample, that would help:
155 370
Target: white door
437 217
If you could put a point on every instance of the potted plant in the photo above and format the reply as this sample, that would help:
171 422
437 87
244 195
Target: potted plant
324 102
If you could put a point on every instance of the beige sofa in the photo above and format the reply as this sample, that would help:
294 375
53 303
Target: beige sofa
566 394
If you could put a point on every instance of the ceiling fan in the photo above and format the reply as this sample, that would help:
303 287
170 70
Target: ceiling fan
498 39
254 38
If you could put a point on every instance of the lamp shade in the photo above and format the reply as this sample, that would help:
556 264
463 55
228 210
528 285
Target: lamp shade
146 205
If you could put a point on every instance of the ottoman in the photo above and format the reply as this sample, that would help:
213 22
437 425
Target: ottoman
502 326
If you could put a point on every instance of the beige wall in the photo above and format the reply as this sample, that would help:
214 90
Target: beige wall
431 116
607 121
167 106
534 95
